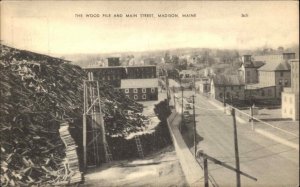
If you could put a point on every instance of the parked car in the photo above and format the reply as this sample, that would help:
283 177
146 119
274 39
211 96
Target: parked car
189 100
186 115
188 106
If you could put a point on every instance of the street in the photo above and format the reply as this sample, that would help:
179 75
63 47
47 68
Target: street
273 164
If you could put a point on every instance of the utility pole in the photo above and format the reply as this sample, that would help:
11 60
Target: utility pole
236 148
182 118
206 184
195 84
174 101
195 131
224 104
251 111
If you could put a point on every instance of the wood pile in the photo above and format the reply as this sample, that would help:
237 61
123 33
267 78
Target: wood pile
71 162
38 93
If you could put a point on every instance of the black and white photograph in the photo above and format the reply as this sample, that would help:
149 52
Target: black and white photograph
149 93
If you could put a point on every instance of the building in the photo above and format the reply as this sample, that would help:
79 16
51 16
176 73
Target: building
249 69
187 74
276 57
111 75
215 70
227 87
273 73
140 89
114 74
290 96
113 61
203 86
141 72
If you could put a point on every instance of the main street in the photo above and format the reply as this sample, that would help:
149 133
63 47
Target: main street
272 163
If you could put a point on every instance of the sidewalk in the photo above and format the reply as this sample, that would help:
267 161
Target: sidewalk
191 169
279 131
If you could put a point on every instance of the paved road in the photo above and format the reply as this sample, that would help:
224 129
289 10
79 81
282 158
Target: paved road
273 164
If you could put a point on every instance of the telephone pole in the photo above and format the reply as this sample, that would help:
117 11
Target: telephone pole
195 131
236 148
182 117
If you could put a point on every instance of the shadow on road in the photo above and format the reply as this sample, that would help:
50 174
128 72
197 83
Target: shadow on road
188 135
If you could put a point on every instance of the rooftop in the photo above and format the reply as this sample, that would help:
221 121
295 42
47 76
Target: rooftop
228 80
257 86
275 66
111 67
139 83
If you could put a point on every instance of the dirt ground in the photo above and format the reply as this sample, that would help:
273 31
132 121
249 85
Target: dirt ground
160 169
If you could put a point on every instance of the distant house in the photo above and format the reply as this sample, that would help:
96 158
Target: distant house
272 78
227 87
187 74
203 85
275 57
249 69
273 75
140 89
290 96
215 70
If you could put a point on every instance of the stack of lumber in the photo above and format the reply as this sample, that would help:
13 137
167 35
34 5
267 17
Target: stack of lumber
71 163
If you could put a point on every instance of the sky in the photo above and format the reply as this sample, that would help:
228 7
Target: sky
51 27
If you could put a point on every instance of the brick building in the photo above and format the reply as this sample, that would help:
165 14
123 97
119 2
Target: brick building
140 89
114 74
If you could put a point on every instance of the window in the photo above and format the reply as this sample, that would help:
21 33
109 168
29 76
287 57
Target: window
144 90
135 90
262 93
231 87
135 97
152 90
269 92
228 95
144 96
127 96
280 82
248 73
240 87
126 90
221 95
285 82
281 74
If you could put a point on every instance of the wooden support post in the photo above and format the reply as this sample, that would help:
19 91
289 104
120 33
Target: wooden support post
84 128
236 148
206 184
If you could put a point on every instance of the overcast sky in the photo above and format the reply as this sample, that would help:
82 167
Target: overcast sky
52 28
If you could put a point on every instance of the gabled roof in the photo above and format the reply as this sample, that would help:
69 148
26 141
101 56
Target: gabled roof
275 66
253 64
139 83
228 80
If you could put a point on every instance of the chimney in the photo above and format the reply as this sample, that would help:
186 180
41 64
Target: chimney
246 58
288 56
